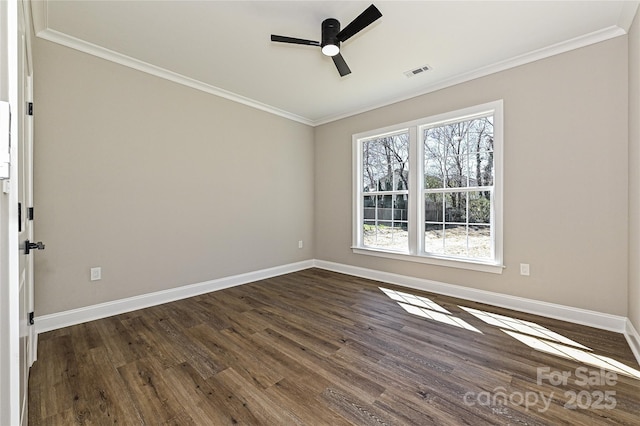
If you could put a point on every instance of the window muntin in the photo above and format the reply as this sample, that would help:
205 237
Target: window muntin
431 190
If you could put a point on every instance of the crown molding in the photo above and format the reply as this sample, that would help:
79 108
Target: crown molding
127 61
628 14
42 30
535 55
39 14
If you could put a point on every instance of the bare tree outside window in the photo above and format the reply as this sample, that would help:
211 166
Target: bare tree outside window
430 190
385 165
458 182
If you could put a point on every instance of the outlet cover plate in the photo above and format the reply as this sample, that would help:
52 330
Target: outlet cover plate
96 274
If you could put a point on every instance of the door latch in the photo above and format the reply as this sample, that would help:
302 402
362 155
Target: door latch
28 246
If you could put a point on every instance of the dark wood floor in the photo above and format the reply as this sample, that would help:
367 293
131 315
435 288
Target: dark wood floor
321 348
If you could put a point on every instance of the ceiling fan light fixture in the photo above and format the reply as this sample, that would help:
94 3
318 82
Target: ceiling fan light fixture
330 49
332 36
330 42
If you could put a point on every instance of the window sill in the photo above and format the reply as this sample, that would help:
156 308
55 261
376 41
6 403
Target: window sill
449 263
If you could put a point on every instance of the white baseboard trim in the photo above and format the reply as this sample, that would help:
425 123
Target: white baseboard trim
565 313
633 338
586 317
57 320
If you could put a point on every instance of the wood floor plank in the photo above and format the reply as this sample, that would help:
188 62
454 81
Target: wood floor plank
322 348
222 344
55 374
287 393
156 343
121 343
102 391
191 350
354 410
366 388
149 392
197 396
266 409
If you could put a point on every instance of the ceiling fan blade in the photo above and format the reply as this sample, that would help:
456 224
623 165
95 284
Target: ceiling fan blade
293 40
342 66
362 21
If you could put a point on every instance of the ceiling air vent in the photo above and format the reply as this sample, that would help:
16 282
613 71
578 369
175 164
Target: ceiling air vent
417 71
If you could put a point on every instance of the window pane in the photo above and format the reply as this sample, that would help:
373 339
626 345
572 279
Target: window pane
455 240
464 148
401 177
456 172
433 207
480 242
480 207
472 241
386 235
400 208
433 176
385 163
392 237
372 168
458 240
369 208
480 135
456 207
433 239
433 143
384 206
369 233
386 222
481 168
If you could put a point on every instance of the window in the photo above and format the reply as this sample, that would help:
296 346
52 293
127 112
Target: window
430 190
385 191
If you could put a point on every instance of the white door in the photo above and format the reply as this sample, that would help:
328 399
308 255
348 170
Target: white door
17 337
25 209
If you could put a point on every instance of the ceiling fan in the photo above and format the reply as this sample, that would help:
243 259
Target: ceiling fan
332 36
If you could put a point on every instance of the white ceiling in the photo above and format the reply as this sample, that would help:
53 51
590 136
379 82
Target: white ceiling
224 47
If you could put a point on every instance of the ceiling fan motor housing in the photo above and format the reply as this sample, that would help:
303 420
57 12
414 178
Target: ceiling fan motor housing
330 30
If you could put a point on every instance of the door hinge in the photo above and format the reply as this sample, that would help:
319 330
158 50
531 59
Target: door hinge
29 108
31 320
30 213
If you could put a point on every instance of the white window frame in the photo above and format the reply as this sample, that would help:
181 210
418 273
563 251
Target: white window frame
415 251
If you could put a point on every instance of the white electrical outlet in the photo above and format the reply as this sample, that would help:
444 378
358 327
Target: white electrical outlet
524 269
96 274
300 244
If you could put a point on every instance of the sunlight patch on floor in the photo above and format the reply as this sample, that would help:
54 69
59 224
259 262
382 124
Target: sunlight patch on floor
426 308
521 326
414 300
580 355
542 339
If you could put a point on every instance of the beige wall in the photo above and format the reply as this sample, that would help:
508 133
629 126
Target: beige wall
565 179
634 174
159 184
164 186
